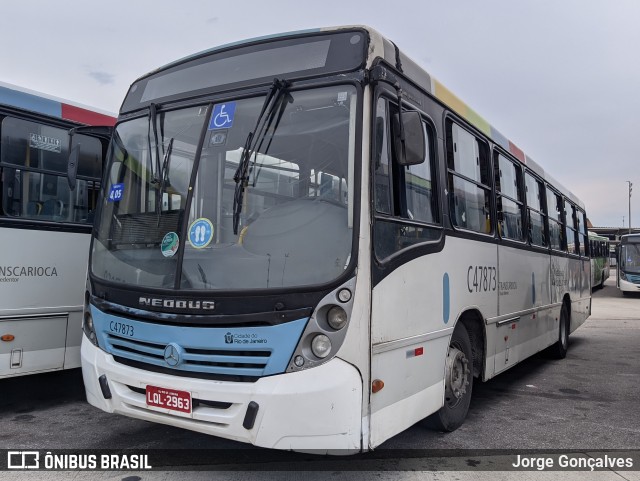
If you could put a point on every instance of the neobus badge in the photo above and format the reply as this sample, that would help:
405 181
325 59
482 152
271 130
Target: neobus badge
177 303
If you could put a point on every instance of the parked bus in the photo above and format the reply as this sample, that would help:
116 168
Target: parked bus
307 242
599 248
628 272
44 227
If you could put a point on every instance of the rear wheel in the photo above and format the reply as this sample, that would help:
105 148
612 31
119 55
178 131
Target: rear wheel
560 348
458 383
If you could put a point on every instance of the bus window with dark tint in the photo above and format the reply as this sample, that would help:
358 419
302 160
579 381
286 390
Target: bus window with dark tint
469 180
34 173
382 165
571 230
581 221
554 211
535 210
509 198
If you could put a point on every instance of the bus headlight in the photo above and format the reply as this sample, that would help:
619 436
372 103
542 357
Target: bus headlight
89 329
337 318
623 276
321 346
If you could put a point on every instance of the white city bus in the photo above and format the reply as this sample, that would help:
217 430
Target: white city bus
628 273
44 227
306 242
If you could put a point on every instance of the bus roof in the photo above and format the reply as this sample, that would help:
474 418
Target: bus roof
381 47
449 99
21 98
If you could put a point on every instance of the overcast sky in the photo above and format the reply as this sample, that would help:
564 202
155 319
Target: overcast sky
560 78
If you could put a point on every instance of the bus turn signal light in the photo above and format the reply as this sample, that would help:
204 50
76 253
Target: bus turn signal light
8 337
376 386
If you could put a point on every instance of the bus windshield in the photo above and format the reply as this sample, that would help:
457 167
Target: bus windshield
630 258
162 225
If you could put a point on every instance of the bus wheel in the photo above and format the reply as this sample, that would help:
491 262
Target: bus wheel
560 348
458 383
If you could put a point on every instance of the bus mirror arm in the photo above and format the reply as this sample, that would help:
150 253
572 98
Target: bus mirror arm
72 166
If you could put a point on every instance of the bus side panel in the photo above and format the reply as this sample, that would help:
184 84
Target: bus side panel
42 276
579 291
38 345
414 311
524 285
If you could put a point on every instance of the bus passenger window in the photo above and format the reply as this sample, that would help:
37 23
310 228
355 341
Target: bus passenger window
469 180
554 212
509 198
535 212
571 230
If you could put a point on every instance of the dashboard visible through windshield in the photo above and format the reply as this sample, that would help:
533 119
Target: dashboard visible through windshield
162 225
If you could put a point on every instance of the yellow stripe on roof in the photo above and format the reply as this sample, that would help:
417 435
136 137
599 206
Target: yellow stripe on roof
462 109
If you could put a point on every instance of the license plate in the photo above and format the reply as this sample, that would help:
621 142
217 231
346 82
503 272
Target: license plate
162 397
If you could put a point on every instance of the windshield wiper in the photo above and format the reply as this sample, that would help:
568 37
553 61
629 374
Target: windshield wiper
164 176
264 121
153 114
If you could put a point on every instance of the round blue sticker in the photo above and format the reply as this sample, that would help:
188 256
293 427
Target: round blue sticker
200 233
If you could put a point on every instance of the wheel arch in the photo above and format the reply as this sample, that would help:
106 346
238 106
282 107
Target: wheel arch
473 321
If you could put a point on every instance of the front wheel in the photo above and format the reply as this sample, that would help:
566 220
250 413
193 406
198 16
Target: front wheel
458 383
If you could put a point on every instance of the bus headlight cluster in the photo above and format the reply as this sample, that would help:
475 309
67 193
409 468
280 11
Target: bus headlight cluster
89 329
326 330
337 318
321 346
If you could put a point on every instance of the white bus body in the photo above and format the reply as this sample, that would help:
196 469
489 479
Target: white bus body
44 232
423 316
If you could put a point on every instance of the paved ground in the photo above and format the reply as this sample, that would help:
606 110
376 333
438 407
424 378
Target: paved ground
589 402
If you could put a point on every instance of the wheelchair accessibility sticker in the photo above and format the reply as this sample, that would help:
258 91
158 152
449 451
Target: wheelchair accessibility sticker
200 233
222 116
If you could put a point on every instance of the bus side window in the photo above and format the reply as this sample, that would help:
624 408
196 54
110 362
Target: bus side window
509 198
469 180
570 218
535 210
34 161
554 215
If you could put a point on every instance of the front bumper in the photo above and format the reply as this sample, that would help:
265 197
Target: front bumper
627 286
316 409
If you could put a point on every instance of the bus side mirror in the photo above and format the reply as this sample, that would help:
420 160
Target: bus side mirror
411 151
72 166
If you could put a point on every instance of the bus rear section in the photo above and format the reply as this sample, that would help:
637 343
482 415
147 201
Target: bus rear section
45 227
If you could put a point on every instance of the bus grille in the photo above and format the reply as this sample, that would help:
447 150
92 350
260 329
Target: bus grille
232 362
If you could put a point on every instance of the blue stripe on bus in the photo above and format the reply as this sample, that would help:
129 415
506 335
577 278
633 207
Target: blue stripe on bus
446 298
30 102
240 351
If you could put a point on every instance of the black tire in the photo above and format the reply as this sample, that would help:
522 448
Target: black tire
458 383
560 348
